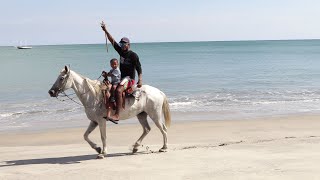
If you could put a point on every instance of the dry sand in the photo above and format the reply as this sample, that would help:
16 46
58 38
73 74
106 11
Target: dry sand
275 148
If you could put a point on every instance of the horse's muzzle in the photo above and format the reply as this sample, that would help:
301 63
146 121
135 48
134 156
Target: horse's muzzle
52 93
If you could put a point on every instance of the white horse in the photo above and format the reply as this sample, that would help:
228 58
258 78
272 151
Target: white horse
151 102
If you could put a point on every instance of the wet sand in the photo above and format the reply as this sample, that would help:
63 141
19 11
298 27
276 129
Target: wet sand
269 148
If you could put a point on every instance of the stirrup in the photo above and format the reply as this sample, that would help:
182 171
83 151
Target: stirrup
108 119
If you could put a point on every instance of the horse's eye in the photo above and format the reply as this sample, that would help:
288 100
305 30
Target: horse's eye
62 78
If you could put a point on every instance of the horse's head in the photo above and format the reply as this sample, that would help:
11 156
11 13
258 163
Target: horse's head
62 83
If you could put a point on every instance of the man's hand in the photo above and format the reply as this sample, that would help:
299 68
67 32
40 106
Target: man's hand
103 26
139 84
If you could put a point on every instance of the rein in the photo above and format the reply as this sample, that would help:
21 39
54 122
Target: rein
66 95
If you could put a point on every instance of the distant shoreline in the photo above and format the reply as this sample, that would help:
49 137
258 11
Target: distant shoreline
250 40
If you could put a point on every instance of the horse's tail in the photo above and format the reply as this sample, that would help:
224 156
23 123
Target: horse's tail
166 111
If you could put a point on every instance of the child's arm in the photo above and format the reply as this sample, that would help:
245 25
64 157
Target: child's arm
109 74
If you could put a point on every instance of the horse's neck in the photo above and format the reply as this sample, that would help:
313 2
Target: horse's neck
84 89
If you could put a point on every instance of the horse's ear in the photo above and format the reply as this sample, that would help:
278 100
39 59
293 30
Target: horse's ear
66 68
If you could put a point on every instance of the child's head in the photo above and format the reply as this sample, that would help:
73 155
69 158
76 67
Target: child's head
114 63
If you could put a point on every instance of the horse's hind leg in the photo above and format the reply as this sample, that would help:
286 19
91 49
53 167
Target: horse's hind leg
156 117
90 128
142 117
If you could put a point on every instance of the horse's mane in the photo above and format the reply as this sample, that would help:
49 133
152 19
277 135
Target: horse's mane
93 85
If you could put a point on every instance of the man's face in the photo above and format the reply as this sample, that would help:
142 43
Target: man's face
124 46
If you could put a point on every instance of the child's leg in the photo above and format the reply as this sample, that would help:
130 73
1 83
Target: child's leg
108 111
112 92
105 98
113 89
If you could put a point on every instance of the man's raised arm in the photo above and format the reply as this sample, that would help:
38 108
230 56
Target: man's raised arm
103 26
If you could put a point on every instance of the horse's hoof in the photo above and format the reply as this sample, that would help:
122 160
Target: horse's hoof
162 150
98 149
134 150
100 156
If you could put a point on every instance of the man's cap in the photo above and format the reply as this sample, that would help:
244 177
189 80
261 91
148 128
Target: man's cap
125 40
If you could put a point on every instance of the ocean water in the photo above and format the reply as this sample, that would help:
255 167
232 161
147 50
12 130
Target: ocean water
224 80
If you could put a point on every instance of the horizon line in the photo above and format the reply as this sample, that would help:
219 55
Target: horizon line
168 42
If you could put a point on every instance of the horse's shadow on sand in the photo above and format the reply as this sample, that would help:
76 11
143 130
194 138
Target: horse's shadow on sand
63 160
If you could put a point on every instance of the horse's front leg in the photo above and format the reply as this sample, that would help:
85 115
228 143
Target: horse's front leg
90 128
103 133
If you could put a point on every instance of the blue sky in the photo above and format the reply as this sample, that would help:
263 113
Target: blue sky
77 21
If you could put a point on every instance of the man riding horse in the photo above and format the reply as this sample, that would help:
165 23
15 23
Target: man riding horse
129 63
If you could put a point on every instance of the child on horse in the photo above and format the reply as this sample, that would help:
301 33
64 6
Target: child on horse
115 75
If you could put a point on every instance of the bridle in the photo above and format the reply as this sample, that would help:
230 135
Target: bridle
64 83
60 90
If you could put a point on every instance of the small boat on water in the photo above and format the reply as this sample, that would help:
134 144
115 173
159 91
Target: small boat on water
24 47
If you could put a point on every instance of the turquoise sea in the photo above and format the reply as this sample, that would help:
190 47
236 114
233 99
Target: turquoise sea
224 80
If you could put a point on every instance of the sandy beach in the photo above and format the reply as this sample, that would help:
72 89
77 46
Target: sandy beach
269 148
